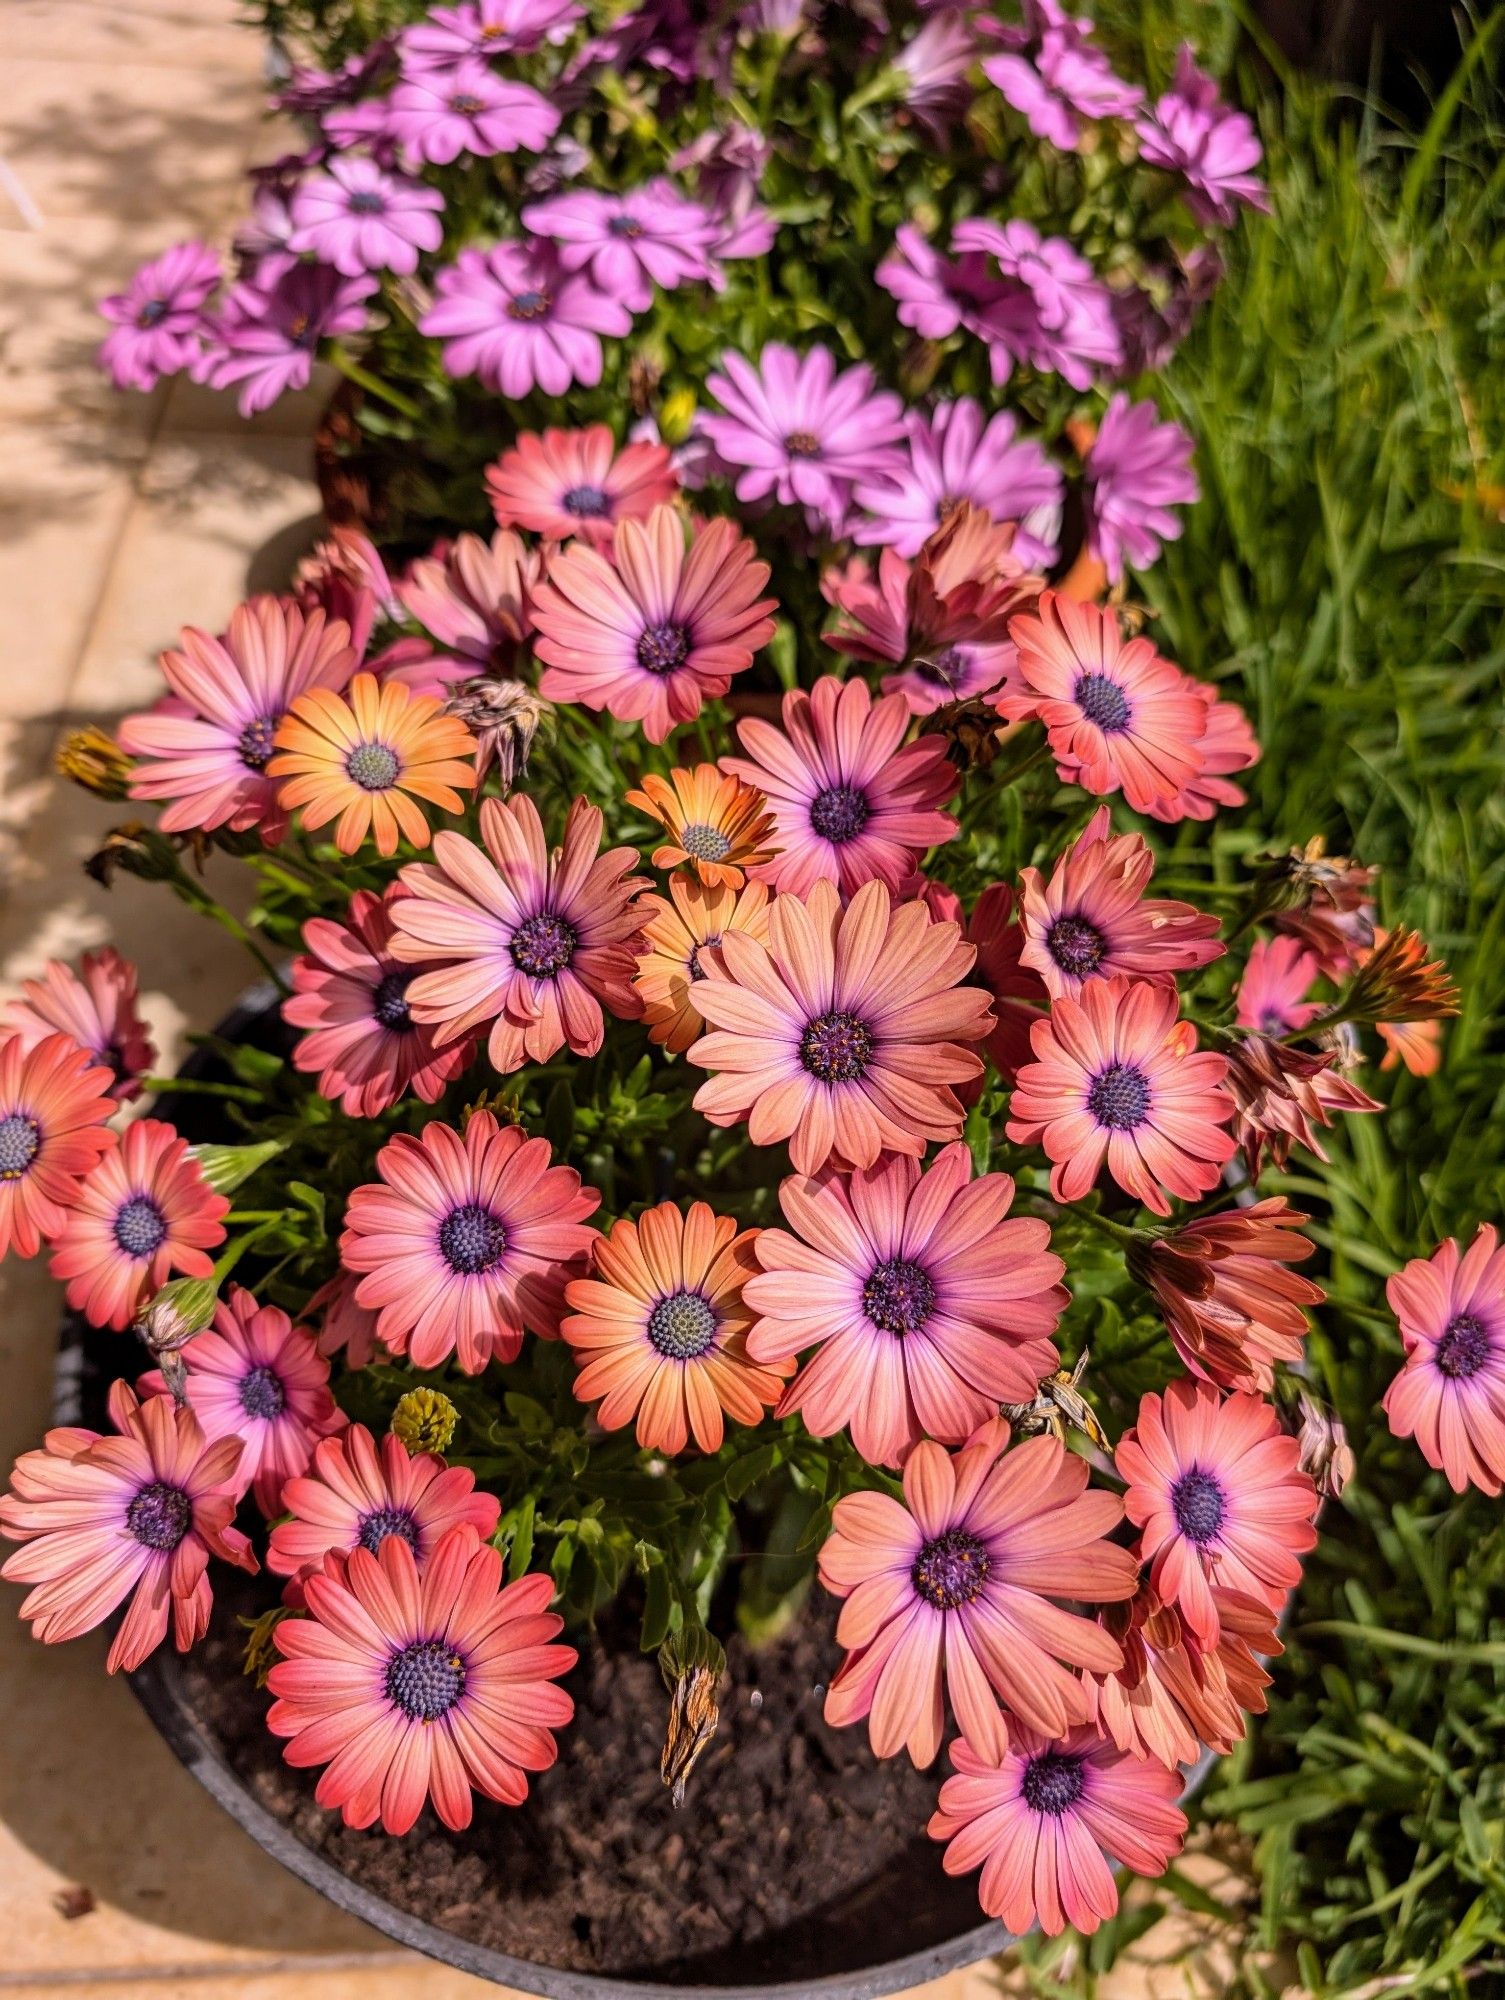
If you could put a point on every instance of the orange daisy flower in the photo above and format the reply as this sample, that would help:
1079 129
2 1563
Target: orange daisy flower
660 1330
716 825
362 756
675 936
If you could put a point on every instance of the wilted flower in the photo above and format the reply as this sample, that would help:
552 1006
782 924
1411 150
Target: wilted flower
1323 899
1282 1096
503 717
93 759
1395 983
1326 1456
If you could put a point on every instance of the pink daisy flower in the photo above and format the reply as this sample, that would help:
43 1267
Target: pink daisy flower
347 1327
1044 1817
1172 1694
653 629
360 218
532 941
1047 307
629 243
1117 715
436 115
466 1241
951 1593
256 1377
1216 1489
567 483
54 1101
1092 918
266 337
1193 133
350 998
1279 974
1118 1075
1229 745
476 600
849 804
450 36
1018 994
206 746
1063 82
802 433
1137 472
1450 1395
1233 1307
843 1034
937 295
516 318
158 320
356 1493
135 1516
144 1212
95 1008
957 454
411 1688
921 1307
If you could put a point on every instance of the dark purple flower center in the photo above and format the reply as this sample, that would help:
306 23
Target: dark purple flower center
159 1515
945 669
1119 1097
898 1297
586 503
389 1007
140 1226
261 1393
682 1326
839 813
705 843
1463 1348
697 971
1273 1021
627 227
802 444
471 1239
367 202
426 1679
529 305
1197 1503
372 766
1076 946
466 106
662 648
383 1521
20 1142
1102 701
1052 1782
836 1047
951 1570
543 945
255 744
152 313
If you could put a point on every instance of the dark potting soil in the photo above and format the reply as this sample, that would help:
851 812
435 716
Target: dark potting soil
796 1853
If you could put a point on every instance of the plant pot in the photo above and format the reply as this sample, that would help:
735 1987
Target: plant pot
860 1931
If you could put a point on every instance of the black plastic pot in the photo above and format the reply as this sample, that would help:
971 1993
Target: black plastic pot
87 1361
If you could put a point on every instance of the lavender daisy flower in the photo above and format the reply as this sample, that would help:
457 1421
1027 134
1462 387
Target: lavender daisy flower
515 317
934 65
1055 79
959 454
937 296
628 243
261 242
308 92
440 114
454 35
1192 132
1050 309
804 434
364 126
728 165
1137 470
1152 323
360 218
159 317
663 35
265 337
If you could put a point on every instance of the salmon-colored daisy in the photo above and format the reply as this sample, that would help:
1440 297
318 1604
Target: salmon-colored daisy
996 933
921 1307
1118 716
650 630
951 1592
1450 1396
568 483
475 598
1228 745
411 1688
1216 1489
844 1033
54 1100
94 1007
1172 1694
534 942
716 825
659 1329
693 919
1277 977
1117 1075
144 1212
367 759
1093 919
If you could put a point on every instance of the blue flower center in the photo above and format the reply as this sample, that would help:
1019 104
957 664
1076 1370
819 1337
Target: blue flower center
705 843
1052 1782
140 1226
898 1297
951 1569
626 227
697 970
159 1515
1463 1348
1197 1503
255 742
389 1005
367 203
1076 946
529 305
1119 1097
467 107
372 766
261 1393
471 1239
383 1521
152 313
945 669
425 1679
1102 701
839 813
662 648
586 503
543 945
836 1047
682 1326
20 1142
802 444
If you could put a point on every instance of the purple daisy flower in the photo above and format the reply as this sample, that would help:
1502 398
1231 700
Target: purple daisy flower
628 243
936 295
454 35
1055 78
1192 132
308 92
440 114
934 65
1050 310
364 126
514 316
728 163
159 317
266 336
959 454
1153 323
361 218
261 242
1137 470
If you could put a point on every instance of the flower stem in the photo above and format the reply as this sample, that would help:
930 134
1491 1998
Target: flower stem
372 384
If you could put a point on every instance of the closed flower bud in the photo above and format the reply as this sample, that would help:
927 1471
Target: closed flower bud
424 1420
182 1308
92 758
